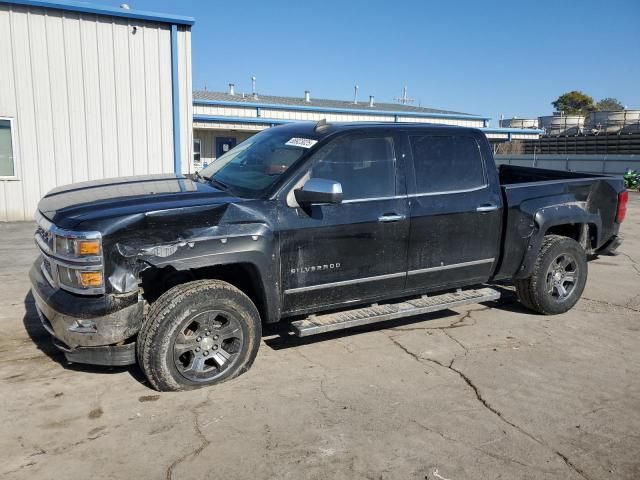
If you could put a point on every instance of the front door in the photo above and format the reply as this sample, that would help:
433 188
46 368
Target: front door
456 213
356 250
224 144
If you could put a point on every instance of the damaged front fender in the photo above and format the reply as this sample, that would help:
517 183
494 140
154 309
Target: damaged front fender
184 240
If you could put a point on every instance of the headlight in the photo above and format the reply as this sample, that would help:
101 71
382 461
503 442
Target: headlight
77 247
72 260
79 262
79 279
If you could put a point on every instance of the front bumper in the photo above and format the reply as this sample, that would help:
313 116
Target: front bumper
88 329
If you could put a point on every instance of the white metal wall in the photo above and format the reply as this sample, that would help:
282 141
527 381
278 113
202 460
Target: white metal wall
301 115
186 99
91 98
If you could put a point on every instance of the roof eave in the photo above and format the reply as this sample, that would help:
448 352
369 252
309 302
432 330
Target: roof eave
82 7
372 111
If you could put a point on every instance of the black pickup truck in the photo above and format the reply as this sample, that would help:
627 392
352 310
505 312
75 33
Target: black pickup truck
327 226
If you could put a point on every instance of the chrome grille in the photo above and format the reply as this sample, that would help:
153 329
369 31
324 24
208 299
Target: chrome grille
46 265
47 238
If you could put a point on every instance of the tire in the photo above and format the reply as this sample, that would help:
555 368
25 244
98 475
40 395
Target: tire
548 290
198 334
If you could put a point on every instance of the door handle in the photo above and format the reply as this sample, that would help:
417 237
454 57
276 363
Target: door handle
391 218
488 207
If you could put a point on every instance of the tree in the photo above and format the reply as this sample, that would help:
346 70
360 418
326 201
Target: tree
608 104
574 103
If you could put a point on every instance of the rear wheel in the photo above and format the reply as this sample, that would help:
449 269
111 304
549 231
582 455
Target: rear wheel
198 334
558 277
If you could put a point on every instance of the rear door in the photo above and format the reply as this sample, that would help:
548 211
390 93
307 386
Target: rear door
455 210
355 250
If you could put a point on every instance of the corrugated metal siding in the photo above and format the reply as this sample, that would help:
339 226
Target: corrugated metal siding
208 141
302 115
186 98
90 99
230 126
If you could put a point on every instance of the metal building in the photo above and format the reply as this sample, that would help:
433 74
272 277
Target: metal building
89 92
223 119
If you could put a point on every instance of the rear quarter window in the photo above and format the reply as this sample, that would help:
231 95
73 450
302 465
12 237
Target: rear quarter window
445 163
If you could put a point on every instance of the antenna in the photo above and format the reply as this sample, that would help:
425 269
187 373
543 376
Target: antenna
355 94
404 99
321 126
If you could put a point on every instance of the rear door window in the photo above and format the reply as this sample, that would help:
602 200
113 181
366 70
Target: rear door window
446 163
365 166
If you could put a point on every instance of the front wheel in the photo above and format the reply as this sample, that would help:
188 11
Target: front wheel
558 277
198 334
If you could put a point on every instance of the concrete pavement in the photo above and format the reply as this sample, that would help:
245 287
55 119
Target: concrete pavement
489 391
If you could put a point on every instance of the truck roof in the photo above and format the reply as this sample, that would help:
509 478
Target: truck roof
321 129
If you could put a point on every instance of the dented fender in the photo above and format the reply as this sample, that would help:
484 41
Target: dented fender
194 238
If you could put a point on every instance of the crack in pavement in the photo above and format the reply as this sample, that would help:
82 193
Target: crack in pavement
477 448
198 450
312 362
634 263
324 393
456 324
510 299
486 404
463 346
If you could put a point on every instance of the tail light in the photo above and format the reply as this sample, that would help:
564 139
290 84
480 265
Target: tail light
623 199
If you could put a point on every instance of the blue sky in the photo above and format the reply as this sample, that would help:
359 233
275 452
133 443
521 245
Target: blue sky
485 57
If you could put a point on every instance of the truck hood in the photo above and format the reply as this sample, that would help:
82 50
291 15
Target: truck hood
70 205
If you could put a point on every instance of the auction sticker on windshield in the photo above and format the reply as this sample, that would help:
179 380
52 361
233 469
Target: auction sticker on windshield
301 142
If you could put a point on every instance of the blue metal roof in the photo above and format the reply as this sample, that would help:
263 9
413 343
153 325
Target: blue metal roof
272 101
350 110
199 117
83 7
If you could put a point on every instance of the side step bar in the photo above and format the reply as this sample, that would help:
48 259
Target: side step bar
329 322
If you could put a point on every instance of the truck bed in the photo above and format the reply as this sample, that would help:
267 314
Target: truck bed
510 174
535 197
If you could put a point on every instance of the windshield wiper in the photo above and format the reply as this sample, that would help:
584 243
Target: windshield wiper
199 175
217 183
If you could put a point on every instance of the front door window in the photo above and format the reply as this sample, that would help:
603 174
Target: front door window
364 166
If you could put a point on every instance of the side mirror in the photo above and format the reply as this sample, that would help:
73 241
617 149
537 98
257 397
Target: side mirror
319 190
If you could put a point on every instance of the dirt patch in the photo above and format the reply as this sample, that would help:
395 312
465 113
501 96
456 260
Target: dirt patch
95 413
95 432
148 398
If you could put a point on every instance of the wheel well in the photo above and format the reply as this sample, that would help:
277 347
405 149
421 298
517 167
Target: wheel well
244 276
583 233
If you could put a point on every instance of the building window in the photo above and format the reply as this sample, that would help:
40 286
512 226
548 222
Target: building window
196 150
7 159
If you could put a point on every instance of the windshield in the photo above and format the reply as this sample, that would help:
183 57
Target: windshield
249 169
